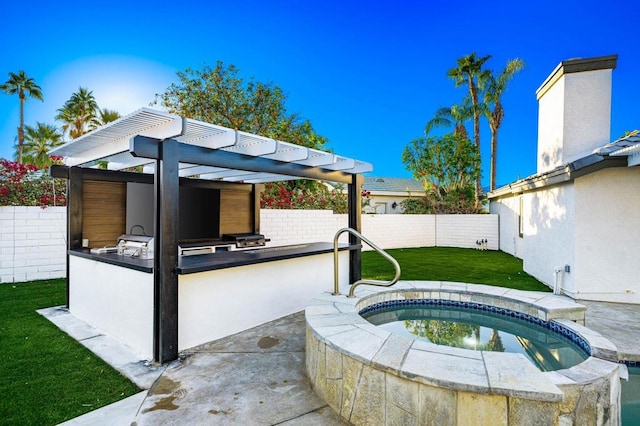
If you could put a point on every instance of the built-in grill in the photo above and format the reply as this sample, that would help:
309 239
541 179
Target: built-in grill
246 240
135 245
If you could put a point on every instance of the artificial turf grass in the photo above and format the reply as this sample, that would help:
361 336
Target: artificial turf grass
452 264
46 377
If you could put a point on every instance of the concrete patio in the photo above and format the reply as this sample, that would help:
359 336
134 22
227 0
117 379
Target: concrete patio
257 377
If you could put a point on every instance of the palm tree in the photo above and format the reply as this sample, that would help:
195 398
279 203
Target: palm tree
495 86
40 140
453 116
78 113
104 116
466 73
24 87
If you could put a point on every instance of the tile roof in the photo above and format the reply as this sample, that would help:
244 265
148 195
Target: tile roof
622 146
601 157
391 184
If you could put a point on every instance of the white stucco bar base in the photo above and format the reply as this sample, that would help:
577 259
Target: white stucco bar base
218 303
117 301
213 304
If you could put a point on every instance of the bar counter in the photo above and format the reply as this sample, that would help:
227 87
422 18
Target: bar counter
223 260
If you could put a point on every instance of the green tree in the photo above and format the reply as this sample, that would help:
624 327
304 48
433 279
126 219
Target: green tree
451 117
495 342
39 141
448 333
104 116
466 73
78 113
24 87
447 166
494 88
219 95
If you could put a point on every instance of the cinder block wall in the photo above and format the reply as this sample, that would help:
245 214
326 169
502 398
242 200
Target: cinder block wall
32 239
387 231
32 243
399 231
462 230
286 227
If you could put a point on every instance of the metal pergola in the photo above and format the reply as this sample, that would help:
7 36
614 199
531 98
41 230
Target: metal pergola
169 147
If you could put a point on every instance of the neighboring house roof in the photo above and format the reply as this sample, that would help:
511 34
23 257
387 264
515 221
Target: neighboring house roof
610 155
391 185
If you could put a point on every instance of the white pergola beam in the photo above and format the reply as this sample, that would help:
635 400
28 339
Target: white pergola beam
288 152
253 145
318 158
207 135
113 143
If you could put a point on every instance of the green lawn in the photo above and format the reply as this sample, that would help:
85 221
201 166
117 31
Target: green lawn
46 377
452 264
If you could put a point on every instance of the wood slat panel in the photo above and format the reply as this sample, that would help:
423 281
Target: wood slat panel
103 212
235 212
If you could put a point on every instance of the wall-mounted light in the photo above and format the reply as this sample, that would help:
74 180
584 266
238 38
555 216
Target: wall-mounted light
394 205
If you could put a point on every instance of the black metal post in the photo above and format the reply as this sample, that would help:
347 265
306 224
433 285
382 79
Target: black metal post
355 222
166 185
74 215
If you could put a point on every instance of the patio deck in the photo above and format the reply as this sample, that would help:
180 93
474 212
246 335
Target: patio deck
257 377
619 323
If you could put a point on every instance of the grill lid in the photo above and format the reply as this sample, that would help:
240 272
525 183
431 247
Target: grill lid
135 238
246 240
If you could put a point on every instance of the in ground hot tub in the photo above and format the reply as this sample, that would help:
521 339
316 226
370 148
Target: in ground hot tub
374 376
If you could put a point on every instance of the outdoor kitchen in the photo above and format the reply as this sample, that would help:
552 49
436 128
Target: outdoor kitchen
164 245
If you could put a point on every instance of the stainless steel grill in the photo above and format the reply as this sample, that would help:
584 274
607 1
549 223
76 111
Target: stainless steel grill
246 240
135 245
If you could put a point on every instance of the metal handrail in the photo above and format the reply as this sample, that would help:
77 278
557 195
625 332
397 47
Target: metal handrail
384 254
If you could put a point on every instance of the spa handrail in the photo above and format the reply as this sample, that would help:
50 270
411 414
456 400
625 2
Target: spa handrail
384 254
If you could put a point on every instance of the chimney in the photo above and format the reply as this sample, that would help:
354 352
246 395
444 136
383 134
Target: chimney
574 110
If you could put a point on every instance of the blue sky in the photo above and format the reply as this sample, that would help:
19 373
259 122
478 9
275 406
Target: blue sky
368 74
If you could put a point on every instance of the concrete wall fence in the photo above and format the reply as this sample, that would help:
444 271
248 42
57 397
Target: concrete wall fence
386 230
32 239
32 243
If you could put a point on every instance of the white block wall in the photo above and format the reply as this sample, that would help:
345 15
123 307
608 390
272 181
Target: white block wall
399 230
387 231
32 239
286 227
32 243
462 230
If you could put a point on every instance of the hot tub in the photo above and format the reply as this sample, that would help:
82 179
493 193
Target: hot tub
373 376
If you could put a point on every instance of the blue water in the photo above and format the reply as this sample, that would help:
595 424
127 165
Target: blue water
631 398
480 330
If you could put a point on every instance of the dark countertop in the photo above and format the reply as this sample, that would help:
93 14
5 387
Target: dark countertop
209 262
144 265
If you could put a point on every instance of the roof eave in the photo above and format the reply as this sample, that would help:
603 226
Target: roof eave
567 173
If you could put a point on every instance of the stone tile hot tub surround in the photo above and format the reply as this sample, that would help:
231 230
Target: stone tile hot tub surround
371 376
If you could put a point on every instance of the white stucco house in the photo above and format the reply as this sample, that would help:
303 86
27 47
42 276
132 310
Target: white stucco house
386 193
575 223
